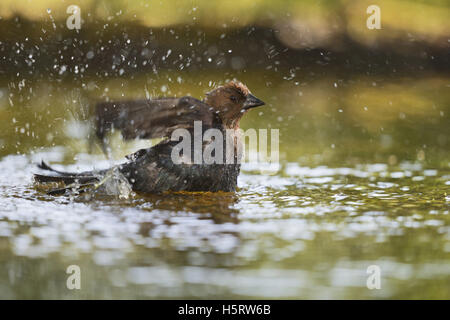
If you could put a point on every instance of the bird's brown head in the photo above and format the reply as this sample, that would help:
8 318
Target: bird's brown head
231 101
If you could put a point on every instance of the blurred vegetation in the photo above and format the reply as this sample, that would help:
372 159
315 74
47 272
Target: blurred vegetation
427 19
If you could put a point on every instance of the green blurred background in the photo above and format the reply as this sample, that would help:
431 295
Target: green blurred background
326 77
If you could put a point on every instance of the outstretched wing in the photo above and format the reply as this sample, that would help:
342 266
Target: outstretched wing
148 119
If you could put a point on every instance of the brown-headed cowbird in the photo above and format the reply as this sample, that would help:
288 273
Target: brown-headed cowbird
154 170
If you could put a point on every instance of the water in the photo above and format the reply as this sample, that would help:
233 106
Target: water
365 180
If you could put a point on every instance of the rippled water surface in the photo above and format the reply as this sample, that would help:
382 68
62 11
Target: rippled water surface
305 233
365 180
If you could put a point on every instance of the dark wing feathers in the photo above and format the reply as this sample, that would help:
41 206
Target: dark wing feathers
148 119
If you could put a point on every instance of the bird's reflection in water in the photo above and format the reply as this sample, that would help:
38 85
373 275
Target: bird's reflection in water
218 207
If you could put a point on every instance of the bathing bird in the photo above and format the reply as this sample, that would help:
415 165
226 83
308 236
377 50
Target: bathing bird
200 148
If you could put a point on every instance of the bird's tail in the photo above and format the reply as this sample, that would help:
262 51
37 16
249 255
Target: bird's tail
79 182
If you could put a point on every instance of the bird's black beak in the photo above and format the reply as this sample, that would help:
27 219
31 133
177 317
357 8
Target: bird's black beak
252 102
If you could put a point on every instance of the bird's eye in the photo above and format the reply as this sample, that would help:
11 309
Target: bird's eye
234 98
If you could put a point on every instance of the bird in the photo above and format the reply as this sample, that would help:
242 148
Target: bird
153 170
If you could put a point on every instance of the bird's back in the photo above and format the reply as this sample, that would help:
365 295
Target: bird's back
153 170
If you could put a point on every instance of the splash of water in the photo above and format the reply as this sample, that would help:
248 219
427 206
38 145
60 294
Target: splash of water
116 184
